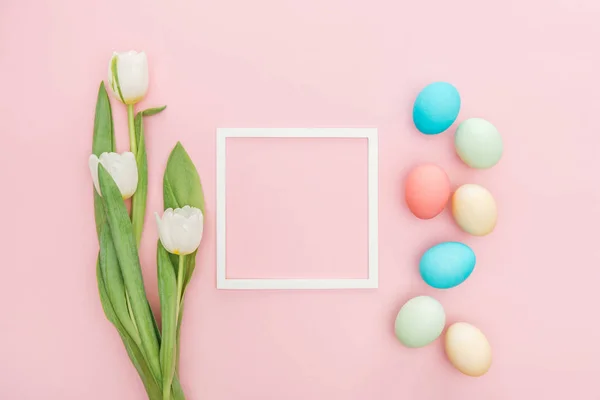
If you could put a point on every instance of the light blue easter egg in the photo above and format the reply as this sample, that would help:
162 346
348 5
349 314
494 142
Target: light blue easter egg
436 108
447 264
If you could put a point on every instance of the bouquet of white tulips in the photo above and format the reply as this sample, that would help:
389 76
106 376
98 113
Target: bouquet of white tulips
116 178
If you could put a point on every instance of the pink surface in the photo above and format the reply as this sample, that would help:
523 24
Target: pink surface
297 208
529 66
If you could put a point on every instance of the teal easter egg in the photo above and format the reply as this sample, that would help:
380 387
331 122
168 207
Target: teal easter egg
447 265
436 108
478 143
420 321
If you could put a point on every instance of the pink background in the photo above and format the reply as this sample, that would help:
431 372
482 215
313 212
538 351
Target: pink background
297 208
529 66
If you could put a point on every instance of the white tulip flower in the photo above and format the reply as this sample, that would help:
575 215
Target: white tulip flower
128 76
180 230
121 167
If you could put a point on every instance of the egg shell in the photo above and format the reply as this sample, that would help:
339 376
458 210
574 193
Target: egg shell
468 349
427 189
478 143
447 264
420 321
436 108
474 209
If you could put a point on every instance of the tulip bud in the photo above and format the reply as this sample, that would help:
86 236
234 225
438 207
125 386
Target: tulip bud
180 230
121 167
128 76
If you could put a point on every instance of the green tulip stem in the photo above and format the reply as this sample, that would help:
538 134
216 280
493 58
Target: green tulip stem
130 121
178 303
180 283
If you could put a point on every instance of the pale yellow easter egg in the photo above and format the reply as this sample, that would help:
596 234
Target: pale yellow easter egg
468 349
474 209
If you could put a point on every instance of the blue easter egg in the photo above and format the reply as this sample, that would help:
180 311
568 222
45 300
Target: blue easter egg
447 264
436 108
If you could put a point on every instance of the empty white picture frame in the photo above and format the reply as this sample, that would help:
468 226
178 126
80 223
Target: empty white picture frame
371 281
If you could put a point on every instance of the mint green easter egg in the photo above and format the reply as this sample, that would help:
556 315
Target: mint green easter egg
478 143
420 321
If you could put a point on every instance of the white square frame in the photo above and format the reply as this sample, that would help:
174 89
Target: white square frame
371 282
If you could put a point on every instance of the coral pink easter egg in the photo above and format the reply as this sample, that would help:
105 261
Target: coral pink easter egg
427 190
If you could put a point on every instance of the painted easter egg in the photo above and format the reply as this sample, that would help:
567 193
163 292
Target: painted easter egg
447 265
436 108
420 321
474 209
478 143
427 190
468 349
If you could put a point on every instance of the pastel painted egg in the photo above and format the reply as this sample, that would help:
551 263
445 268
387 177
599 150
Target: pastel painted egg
436 108
420 321
468 349
447 264
478 143
427 190
474 209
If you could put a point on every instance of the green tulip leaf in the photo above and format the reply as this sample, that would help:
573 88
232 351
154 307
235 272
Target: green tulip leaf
113 281
167 290
181 182
104 300
126 249
176 389
136 356
103 141
152 111
182 186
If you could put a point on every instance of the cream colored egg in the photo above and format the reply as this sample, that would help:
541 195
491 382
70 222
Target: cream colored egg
468 349
474 209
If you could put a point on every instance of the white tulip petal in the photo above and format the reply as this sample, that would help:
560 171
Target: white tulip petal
130 84
121 167
195 237
181 234
186 211
128 181
164 234
93 163
180 230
